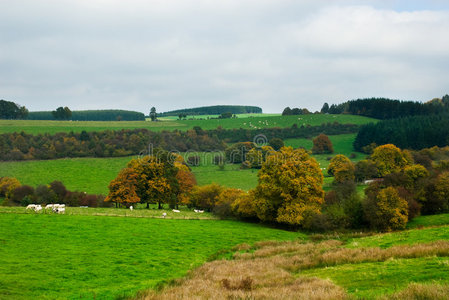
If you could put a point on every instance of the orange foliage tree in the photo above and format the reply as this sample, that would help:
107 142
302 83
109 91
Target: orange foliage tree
290 187
322 144
152 179
186 180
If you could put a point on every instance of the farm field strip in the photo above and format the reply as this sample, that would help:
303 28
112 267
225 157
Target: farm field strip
265 121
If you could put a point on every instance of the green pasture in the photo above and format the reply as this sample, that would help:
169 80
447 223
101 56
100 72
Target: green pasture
247 122
47 256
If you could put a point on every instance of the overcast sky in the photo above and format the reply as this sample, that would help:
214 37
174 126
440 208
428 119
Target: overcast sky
171 54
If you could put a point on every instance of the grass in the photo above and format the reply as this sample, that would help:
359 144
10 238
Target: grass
139 212
370 280
264 121
426 221
74 256
231 176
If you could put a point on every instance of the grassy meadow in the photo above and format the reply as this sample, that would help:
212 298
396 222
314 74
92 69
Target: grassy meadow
74 256
36 127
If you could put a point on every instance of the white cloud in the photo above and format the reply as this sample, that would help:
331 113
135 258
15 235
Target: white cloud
181 53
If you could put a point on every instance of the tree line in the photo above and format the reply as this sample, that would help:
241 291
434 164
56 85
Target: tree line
415 132
214 110
384 108
114 143
87 115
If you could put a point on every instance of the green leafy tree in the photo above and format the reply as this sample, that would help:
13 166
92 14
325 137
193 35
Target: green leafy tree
341 168
389 159
153 114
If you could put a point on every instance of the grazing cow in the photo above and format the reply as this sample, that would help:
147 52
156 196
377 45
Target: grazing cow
31 206
163 215
48 206
60 210
38 208
176 211
198 211
131 207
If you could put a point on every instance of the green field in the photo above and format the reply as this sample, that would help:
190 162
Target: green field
92 175
70 256
265 121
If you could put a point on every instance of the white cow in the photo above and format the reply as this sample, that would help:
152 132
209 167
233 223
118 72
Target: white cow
164 215
48 206
131 207
176 211
38 208
198 211
60 210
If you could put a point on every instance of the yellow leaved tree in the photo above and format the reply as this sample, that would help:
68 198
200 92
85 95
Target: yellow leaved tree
290 187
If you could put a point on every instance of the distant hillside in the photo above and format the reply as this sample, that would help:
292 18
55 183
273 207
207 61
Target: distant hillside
92 115
214 110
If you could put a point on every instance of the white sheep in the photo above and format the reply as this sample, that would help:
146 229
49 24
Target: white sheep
164 215
131 207
176 211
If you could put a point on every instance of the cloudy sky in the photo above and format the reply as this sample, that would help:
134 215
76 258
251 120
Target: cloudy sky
171 54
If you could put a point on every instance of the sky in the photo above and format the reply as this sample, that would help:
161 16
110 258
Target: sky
173 54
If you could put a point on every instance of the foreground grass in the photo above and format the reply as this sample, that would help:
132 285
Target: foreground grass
74 256
264 121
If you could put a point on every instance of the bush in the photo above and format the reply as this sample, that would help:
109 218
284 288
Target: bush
59 189
22 195
205 197
45 195
387 210
7 185
276 143
223 206
244 206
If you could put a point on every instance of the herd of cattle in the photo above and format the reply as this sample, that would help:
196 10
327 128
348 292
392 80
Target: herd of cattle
57 208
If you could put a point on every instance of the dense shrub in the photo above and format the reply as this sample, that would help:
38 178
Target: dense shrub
386 210
205 197
223 206
22 195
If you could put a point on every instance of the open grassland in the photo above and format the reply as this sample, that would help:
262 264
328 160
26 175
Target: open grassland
265 121
411 268
73 256
92 175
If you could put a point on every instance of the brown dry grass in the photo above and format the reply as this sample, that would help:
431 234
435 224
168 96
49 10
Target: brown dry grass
268 270
422 292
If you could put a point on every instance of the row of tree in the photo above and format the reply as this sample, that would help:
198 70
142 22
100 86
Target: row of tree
64 113
295 111
384 108
110 143
416 132
16 194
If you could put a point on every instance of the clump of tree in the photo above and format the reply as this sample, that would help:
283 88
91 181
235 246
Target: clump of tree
62 113
11 110
152 179
295 111
322 144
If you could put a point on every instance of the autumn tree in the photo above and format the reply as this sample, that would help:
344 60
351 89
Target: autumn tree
256 156
341 168
223 206
389 158
186 180
290 187
150 179
7 186
386 210
123 188
322 144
